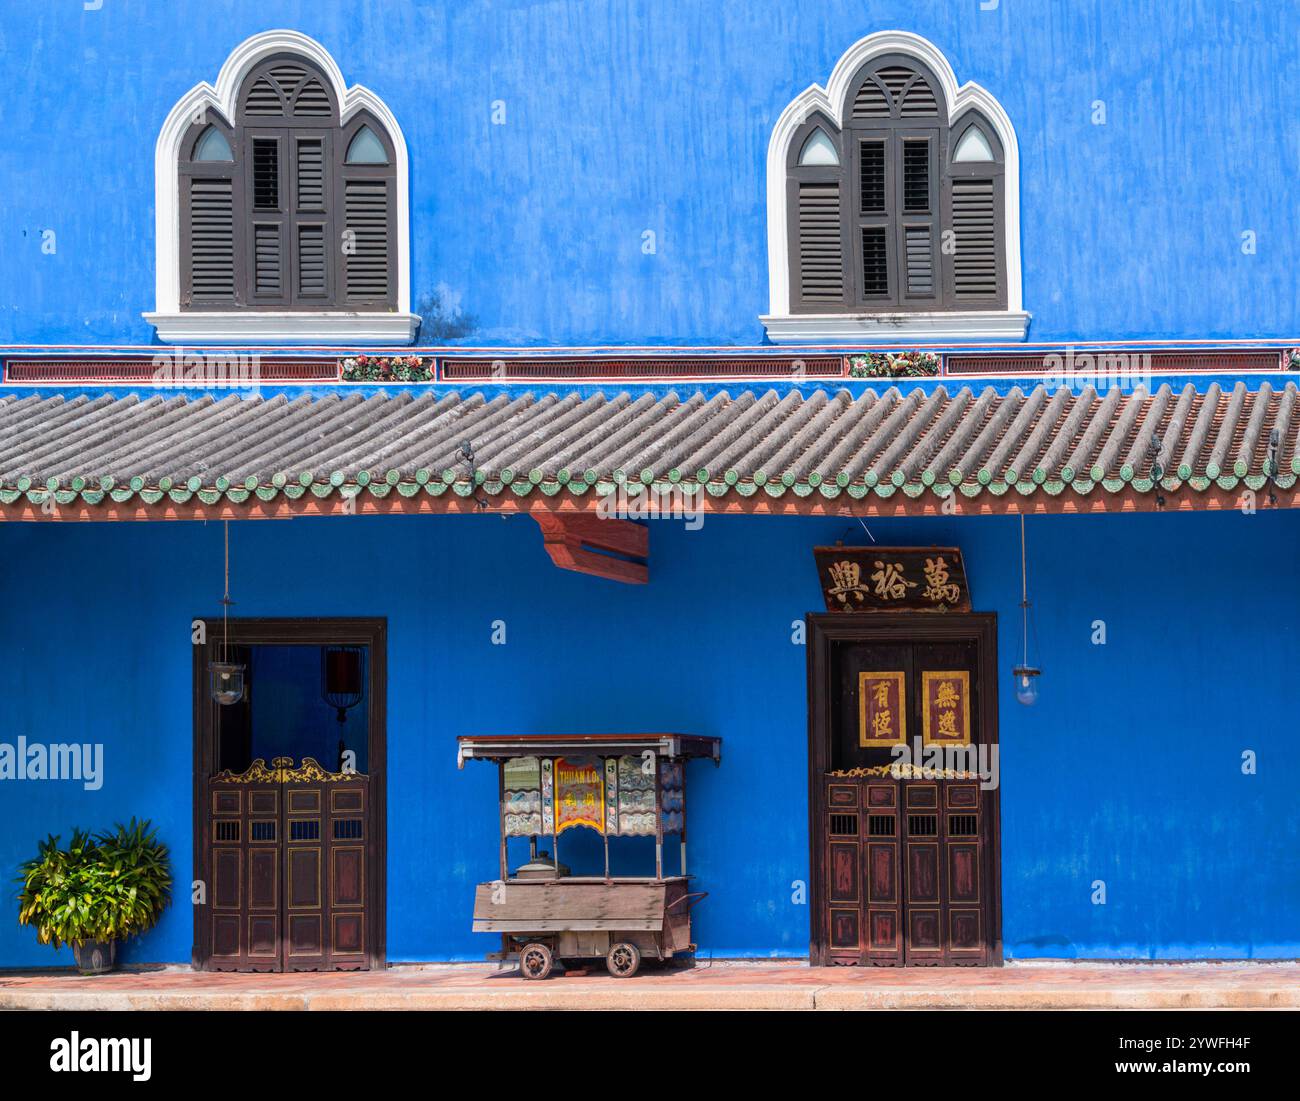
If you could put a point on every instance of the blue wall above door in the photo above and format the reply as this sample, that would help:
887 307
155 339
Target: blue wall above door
636 116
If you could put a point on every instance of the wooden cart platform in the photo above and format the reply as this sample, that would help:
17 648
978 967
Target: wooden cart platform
620 920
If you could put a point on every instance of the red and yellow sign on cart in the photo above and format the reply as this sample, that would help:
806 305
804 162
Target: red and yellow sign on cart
579 794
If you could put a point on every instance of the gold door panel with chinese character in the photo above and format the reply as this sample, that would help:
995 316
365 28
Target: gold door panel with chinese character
904 847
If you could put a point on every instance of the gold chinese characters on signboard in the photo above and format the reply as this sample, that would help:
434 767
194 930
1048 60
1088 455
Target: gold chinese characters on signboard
945 707
882 719
885 579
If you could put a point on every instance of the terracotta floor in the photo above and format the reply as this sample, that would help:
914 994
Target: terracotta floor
720 985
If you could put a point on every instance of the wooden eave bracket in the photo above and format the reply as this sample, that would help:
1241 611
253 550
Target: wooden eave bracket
574 541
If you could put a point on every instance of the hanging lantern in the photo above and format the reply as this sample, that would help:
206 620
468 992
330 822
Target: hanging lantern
227 679
342 683
1025 675
1026 678
225 676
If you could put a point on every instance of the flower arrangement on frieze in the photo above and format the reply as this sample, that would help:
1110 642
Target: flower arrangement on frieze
894 365
365 368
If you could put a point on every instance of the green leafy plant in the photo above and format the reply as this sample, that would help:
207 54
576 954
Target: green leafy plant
102 887
365 368
894 365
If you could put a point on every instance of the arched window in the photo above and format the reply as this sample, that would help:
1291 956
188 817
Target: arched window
283 207
893 209
885 217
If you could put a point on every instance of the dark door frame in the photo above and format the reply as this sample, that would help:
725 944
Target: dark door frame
302 631
827 628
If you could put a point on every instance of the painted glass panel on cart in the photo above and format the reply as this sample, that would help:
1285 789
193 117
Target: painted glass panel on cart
636 796
523 797
548 795
579 794
672 796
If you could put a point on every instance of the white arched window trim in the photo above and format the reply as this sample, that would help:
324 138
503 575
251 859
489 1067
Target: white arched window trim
253 326
782 326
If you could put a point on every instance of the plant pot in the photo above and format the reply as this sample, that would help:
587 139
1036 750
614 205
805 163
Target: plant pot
95 957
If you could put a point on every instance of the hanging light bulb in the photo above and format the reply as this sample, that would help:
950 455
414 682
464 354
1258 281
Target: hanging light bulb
1025 675
1026 684
225 676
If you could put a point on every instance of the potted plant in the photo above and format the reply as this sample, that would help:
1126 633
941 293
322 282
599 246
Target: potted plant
100 889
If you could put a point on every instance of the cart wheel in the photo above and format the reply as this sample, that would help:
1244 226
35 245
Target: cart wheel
623 960
536 961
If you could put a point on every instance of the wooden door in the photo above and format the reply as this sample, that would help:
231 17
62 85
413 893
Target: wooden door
325 870
905 867
245 898
288 860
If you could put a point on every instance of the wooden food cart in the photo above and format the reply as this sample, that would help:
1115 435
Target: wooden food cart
619 786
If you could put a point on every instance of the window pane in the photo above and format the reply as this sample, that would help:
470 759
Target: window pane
266 174
366 148
872 172
819 149
974 146
916 177
213 146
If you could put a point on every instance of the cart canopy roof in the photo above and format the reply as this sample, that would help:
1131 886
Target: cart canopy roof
499 747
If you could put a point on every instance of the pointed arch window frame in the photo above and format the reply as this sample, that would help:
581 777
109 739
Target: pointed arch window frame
218 102
785 325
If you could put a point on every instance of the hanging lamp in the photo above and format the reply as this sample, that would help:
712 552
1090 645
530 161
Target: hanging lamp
1025 675
342 684
226 677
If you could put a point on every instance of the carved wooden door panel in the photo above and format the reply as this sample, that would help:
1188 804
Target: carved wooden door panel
325 870
244 855
287 859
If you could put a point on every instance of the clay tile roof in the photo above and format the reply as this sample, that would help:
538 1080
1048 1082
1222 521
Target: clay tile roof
871 441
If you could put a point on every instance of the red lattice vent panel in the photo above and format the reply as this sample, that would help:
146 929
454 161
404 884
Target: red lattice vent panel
210 368
694 367
1164 362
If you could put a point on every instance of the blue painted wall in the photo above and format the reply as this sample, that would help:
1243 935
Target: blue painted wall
638 115
1128 770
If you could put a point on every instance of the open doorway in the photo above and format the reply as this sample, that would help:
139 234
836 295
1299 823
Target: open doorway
289 796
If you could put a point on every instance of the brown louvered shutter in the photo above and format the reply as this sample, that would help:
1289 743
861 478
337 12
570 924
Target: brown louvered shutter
367 245
919 208
918 245
975 259
208 246
821 256
267 260
311 217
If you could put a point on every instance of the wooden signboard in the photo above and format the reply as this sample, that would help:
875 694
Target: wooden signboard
892 579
